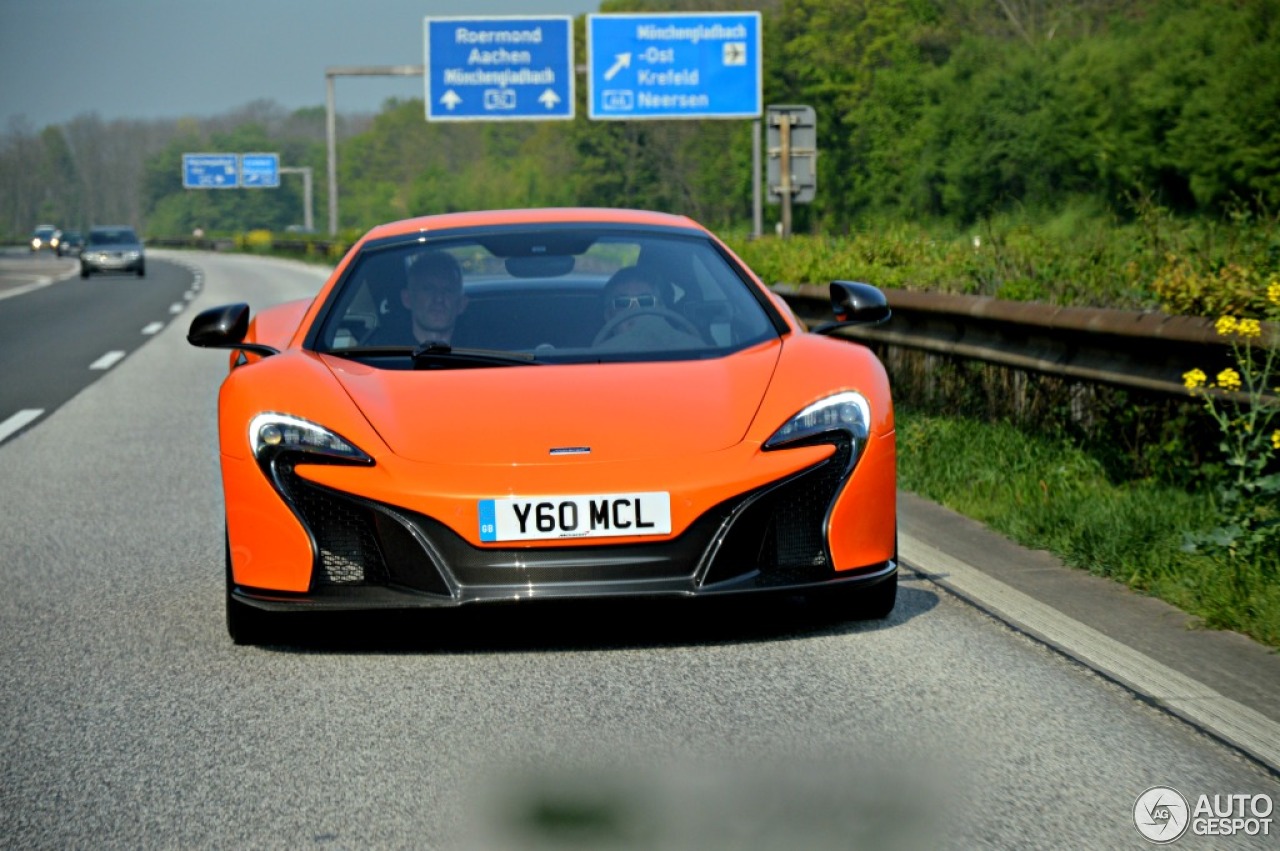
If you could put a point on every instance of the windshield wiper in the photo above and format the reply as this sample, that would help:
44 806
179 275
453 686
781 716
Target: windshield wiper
437 355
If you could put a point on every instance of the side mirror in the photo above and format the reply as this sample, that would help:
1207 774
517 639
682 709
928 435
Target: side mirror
855 303
224 328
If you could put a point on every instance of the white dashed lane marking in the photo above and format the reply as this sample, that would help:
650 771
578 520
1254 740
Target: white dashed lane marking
18 422
107 361
25 417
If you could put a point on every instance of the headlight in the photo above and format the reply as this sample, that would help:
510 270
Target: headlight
132 255
272 433
846 412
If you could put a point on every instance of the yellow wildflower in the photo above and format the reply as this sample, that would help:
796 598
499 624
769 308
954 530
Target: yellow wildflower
1225 325
1249 328
1273 291
1193 379
1229 379
1275 440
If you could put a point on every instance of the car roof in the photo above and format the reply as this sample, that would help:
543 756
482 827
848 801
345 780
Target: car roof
546 215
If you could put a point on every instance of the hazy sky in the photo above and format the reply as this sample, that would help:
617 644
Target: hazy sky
170 58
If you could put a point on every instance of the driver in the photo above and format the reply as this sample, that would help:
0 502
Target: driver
654 325
433 295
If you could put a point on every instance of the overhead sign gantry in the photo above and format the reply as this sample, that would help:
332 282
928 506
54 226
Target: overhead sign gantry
499 68
260 171
230 171
210 171
674 66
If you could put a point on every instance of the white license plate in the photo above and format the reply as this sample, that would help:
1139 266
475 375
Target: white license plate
607 515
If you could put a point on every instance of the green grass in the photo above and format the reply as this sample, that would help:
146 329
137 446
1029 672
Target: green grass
1047 494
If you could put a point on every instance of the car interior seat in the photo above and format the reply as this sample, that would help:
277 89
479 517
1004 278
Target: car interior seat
386 279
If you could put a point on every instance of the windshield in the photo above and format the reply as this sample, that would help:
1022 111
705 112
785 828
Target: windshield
122 236
542 295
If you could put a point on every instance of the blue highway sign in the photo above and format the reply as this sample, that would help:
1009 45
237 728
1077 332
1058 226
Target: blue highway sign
260 171
674 66
499 68
210 171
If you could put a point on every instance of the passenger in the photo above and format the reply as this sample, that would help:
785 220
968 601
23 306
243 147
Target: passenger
655 325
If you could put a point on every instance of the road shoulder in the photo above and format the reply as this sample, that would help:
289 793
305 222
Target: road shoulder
1188 668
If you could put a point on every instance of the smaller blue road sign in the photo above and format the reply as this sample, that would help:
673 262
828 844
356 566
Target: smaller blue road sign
674 66
210 171
499 68
260 171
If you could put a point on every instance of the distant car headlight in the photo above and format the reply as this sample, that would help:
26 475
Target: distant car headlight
271 434
132 255
848 413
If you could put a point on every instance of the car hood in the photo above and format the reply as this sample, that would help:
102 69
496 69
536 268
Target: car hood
601 412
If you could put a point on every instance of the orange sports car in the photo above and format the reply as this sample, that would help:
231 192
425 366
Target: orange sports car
522 405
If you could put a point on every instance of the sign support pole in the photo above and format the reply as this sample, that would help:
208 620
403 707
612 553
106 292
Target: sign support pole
784 156
331 124
757 197
308 220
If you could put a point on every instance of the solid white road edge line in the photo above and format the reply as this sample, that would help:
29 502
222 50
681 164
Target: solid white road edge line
18 422
1245 728
107 361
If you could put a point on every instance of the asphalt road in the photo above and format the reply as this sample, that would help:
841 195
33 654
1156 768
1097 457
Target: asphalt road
132 721
56 340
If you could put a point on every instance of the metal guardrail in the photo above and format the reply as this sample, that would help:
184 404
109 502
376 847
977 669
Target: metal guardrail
1141 350
297 246
193 242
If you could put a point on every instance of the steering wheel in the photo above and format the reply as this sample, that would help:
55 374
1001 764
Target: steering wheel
674 319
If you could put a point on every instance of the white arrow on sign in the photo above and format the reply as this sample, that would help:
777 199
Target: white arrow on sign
450 99
549 99
623 61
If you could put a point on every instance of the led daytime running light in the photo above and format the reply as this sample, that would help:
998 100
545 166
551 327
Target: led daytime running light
849 412
273 431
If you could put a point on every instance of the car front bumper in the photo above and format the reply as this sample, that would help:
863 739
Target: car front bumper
369 554
111 261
